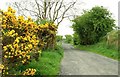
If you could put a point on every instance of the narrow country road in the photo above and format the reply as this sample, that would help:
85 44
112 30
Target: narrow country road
76 62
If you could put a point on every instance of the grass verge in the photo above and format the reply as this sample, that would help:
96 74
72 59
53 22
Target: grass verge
49 62
102 49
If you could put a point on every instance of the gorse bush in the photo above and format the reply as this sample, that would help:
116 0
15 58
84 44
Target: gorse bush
47 35
23 40
93 25
19 40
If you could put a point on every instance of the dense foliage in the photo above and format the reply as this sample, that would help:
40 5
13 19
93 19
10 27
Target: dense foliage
59 38
69 38
75 39
23 40
92 25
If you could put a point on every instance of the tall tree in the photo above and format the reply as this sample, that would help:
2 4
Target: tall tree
53 10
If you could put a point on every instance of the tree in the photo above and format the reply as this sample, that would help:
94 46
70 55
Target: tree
69 38
59 38
54 11
93 25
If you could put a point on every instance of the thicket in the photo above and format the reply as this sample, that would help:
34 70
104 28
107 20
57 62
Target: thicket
92 25
23 40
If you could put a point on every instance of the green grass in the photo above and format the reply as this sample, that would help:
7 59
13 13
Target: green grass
49 62
102 49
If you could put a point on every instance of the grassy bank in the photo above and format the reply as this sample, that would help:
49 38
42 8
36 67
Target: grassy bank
102 49
48 63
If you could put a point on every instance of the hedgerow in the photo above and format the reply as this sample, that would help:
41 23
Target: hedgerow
23 40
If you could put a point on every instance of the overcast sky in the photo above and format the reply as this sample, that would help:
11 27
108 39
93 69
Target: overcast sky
64 28
111 5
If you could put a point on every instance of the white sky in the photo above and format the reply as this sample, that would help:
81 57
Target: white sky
64 28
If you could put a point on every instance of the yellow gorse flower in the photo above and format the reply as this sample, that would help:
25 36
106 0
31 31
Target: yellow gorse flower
29 72
17 40
30 46
5 56
4 48
21 38
1 68
3 26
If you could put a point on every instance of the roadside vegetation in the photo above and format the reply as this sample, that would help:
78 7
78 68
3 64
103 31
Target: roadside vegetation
95 31
59 38
108 46
101 48
29 46
69 39
48 62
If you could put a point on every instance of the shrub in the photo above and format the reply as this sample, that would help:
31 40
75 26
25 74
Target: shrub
47 33
23 41
93 25
20 43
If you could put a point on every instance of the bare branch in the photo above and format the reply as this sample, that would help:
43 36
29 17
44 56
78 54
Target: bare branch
38 8
57 11
42 9
65 12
